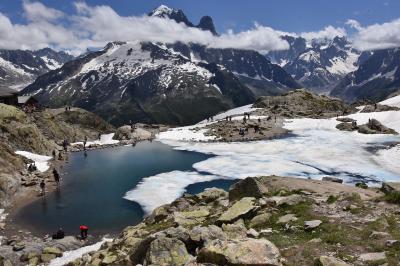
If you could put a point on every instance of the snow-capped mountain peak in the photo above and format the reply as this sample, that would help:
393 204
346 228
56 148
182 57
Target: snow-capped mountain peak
162 11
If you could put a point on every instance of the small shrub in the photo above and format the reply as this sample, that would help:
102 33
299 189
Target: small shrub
393 197
332 199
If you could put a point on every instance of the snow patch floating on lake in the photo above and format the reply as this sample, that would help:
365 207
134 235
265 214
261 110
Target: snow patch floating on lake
164 188
41 161
106 139
69 256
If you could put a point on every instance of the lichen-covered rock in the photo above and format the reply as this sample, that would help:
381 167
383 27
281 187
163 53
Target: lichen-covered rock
240 252
259 220
167 251
241 208
52 250
288 200
212 194
376 257
249 187
200 234
331 261
47 257
191 217
347 126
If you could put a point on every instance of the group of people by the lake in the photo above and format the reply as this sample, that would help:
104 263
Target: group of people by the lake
60 234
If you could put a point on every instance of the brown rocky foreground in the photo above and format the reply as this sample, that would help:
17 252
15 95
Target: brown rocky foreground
264 221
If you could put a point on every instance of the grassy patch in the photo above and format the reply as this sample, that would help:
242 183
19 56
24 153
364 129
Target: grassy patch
332 199
393 197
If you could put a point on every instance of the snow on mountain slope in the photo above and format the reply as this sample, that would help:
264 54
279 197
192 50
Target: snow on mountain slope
145 82
318 64
19 68
393 101
375 79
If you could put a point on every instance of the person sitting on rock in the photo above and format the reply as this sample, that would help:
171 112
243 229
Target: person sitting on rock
84 231
59 234
60 157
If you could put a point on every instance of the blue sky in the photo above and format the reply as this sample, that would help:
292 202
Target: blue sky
76 25
286 15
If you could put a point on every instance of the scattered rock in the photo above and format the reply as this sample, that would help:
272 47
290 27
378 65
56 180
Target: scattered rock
376 234
52 250
241 208
207 234
347 126
259 220
309 225
249 187
331 261
287 218
332 179
191 217
212 194
345 119
375 127
252 233
240 252
47 257
293 199
167 251
378 257
237 230
389 187
393 243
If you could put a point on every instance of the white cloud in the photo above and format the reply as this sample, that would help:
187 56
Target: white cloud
36 11
377 36
94 26
328 32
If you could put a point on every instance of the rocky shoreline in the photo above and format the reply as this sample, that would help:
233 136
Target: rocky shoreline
263 221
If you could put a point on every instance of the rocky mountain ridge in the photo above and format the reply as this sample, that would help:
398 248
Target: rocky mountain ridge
318 64
20 67
376 79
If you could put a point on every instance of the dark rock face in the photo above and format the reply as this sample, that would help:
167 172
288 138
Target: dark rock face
142 82
375 127
377 78
206 23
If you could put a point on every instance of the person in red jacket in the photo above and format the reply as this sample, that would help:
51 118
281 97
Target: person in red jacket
84 231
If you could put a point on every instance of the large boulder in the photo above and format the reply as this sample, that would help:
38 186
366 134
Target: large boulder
375 127
240 252
201 234
249 187
344 126
259 220
240 209
167 251
190 218
390 187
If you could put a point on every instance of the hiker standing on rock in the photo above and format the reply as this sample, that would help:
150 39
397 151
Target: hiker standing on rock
43 187
244 120
99 136
65 145
84 231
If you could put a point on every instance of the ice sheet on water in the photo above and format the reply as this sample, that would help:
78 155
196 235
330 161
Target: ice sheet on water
164 188
315 150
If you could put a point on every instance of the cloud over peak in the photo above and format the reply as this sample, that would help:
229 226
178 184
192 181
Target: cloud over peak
94 26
